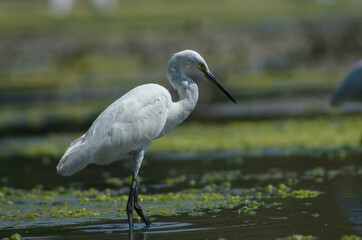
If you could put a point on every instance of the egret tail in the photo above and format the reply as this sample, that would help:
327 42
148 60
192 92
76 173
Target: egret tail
75 158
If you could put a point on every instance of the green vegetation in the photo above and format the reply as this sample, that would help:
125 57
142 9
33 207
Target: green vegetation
298 237
93 204
48 115
109 71
227 178
305 193
321 174
200 194
107 59
259 49
15 236
351 237
317 78
311 135
31 16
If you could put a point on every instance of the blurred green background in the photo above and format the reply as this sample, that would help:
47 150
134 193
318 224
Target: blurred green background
250 45
59 69
61 65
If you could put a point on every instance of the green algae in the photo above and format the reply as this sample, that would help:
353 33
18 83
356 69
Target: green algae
209 192
198 137
299 237
120 182
78 212
226 178
293 135
200 194
310 237
15 236
297 77
127 27
321 174
351 237
156 17
305 193
91 204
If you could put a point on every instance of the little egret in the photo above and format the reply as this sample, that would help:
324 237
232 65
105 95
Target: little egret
350 90
126 128
62 8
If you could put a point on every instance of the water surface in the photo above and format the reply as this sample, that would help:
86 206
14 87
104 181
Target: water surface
334 213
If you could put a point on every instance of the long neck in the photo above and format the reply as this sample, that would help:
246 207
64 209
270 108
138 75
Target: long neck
186 89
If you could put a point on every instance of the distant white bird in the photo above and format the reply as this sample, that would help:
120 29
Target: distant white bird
350 90
127 127
62 8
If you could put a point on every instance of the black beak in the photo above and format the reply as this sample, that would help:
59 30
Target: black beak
213 79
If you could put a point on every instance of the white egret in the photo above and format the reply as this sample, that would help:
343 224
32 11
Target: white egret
62 8
127 127
350 89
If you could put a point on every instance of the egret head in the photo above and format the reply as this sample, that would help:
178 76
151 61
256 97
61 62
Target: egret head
192 62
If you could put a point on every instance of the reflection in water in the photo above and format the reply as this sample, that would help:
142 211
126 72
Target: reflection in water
157 227
336 212
349 197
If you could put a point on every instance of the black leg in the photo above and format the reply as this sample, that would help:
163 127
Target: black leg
129 206
138 207
133 203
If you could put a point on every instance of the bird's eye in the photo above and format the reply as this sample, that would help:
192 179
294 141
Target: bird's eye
201 66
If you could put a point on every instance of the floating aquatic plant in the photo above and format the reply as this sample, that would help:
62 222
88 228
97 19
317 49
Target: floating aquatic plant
15 236
299 237
337 136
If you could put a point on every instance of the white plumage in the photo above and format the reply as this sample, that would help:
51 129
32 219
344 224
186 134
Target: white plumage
127 127
62 8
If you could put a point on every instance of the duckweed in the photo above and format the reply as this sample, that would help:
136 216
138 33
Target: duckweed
225 179
117 182
120 182
305 193
320 174
63 203
244 209
192 213
211 192
251 135
80 212
176 180
295 136
298 237
351 237
15 236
